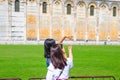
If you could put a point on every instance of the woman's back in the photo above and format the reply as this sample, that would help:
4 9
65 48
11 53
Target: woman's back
59 66
56 72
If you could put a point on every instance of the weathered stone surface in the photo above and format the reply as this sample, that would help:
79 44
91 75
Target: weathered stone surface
31 23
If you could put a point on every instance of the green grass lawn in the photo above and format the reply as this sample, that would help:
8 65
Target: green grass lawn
26 61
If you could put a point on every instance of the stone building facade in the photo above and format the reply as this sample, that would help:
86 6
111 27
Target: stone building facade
93 20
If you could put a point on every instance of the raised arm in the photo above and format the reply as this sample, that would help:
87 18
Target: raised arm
63 38
64 52
70 52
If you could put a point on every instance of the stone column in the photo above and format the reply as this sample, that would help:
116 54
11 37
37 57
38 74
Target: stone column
74 25
63 14
38 31
10 18
119 25
108 24
25 15
97 26
86 33
51 7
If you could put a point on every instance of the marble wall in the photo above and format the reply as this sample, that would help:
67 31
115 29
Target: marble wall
30 23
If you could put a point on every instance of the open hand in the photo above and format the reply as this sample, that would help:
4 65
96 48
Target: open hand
69 37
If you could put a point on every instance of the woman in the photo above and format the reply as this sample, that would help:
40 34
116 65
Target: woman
50 42
59 66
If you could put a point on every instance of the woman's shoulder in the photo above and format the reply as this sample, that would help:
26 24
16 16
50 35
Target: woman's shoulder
70 62
51 67
69 59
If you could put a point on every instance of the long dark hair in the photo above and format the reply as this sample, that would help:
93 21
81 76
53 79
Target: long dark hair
47 44
57 58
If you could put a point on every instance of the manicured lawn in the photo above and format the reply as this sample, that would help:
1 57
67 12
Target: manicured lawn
26 61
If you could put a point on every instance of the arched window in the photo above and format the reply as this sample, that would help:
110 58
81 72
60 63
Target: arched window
17 6
114 11
68 8
92 10
44 7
